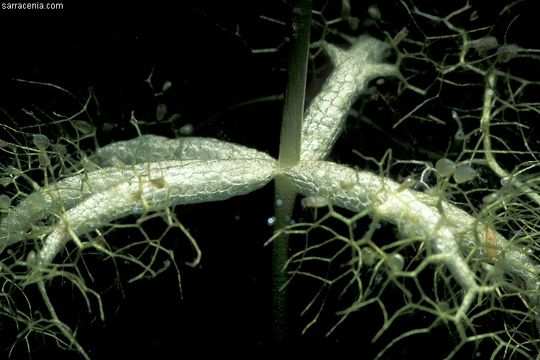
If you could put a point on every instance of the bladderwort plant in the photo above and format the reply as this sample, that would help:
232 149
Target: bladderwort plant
464 250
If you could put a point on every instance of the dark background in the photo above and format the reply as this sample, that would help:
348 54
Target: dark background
225 303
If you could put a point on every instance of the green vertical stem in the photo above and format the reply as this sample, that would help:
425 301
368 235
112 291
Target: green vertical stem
293 107
284 204
289 155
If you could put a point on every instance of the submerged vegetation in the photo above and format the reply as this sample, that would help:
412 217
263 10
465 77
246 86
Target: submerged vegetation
423 218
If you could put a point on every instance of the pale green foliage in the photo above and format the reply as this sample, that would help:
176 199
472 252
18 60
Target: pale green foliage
496 125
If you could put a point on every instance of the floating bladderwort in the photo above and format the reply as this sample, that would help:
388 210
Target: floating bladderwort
191 170
151 173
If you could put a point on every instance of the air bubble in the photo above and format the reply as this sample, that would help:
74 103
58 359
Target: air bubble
36 202
83 126
445 167
166 86
279 202
346 185
369 256
395 262
507 52
506 180
374 12
5 181
59 149
5 202
464 173
485 44
271 221
41 141
31 258
186 129
161 111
